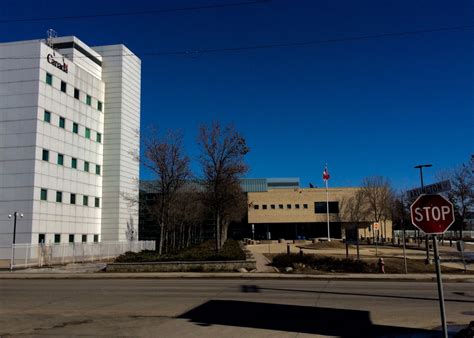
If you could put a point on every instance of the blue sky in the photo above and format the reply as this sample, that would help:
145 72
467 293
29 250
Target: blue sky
365 107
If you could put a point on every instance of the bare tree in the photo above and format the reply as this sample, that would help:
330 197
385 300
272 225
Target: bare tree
164 156
222 160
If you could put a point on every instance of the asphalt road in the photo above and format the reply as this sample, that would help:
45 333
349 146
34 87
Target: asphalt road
229 308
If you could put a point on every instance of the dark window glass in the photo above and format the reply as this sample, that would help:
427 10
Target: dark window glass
44 194
99 106
47 116
73 198
288 206
305 206
57 238
41 238
97 169
320 207
88 133
60 159
88 100
76 93
49 79
84 238
256 207
71 238
97 202
86 166
99 137
85 200
280 206
62 122
264 206
96 238
75 128
59 196
45 155
74 163
272 206
63 86
297 206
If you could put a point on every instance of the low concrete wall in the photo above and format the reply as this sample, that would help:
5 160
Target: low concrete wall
198 266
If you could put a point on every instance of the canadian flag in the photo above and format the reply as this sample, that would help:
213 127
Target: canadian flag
326 174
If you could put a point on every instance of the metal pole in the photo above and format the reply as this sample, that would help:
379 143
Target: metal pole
404 252
427 260
13 243
327 209
440 287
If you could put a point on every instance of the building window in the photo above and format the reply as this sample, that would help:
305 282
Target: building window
57 238
99 137
41 238
97 202
84 238
99 106
71 238
88 133
320 207
288 206
305 206
272 206
73 198
47 116
74 163
44 194
86 166
59 196
60 159
280 206
76 93
85 200
49 79
75 128
45 155
96 238
264 206
63 86
88 100
297 206
97 169
62 122
256 207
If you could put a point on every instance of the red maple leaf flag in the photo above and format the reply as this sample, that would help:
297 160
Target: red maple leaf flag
326 174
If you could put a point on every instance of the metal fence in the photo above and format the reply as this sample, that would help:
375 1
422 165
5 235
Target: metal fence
447 234
38 255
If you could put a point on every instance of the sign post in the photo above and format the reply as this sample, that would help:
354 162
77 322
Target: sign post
434 214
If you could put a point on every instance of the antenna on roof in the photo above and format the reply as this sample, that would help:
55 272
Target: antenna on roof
51 34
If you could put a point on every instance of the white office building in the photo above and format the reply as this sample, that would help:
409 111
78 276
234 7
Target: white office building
69 122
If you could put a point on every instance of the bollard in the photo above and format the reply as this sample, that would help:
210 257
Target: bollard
381 265
287 248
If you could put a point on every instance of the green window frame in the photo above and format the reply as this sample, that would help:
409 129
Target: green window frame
59 196
62 122
74 163
73 199
44 194
88 100
60 159
97 169
85 200
87 133
49 79
99 137
45 155
75 128
99 105
86 166
47 116
97 202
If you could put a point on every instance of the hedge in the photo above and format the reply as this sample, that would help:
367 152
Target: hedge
323 263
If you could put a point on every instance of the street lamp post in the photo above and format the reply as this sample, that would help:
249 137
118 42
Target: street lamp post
421 166
15 215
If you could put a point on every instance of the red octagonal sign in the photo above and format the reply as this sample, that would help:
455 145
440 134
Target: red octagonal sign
432 214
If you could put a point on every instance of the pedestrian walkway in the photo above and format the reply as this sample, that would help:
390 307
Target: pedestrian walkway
262 263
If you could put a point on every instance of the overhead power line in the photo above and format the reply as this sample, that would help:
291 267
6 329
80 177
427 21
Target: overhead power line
196 52
144 12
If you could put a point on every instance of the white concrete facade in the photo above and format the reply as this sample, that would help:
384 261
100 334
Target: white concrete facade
66 138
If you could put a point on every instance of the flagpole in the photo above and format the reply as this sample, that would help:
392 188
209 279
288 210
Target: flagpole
327 208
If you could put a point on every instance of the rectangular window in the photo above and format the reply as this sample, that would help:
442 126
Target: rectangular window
41 238
297 206
280 206
305 206
47 116
85 200
75 128
97 202
76 93
74 163
96 238
45 155
99 138
84 238
57 238
44 194
63 86
99 106
62 122
272 206
264 206
88 100
256 207
71 238
88 133
60 159
320 207
86 166
97 169
59 196
49 79
73 198
288 206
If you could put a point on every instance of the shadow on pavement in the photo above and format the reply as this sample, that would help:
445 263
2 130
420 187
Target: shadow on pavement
295 318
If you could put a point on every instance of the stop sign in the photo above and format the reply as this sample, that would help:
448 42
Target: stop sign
432 214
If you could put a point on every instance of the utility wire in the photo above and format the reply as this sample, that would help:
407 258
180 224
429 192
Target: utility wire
151 12
197 52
